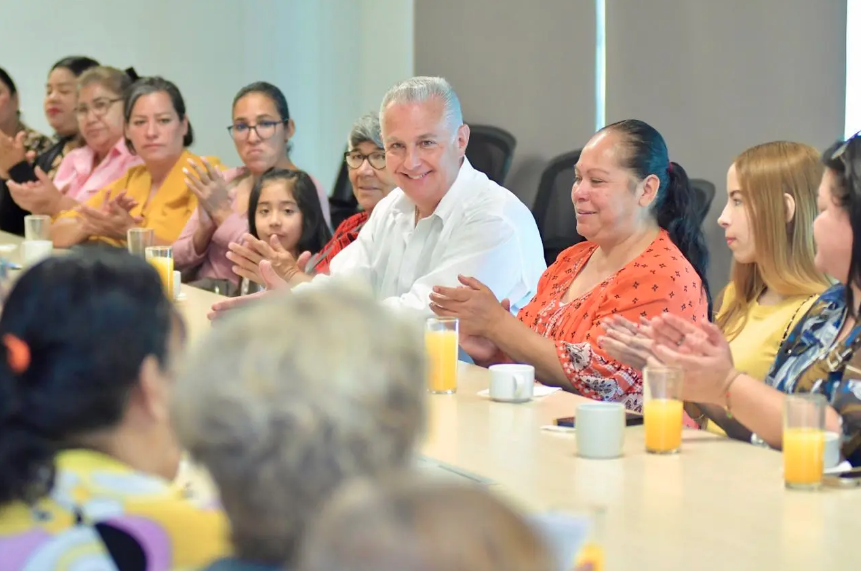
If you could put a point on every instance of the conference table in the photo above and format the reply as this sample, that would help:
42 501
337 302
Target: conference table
718 504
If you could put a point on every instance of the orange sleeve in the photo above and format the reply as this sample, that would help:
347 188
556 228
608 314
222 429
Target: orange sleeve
637 291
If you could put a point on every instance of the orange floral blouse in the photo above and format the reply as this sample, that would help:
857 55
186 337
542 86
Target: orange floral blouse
659 280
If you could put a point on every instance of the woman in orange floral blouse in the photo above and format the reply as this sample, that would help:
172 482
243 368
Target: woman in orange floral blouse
645 255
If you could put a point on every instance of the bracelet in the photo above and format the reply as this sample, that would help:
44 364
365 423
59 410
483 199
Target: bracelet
728 406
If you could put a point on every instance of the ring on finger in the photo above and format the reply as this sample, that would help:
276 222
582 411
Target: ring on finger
680 341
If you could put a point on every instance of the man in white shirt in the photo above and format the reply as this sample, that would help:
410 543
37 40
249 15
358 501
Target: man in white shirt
445 219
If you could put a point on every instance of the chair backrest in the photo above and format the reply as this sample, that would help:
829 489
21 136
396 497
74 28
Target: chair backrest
553 210
342 201
705 194
490 151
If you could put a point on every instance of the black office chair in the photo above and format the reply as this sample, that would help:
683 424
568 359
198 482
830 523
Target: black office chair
490 151
553 210
342 201
705 194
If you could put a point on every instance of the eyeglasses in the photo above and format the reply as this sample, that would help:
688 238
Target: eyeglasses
264 129
99 107
839 151
377 159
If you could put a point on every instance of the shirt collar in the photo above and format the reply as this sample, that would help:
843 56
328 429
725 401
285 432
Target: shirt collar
450 201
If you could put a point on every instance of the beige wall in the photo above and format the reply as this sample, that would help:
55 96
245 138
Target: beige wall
527 67
716 77
333 59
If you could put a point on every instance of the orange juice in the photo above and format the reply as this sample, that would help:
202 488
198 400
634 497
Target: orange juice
165 270
663 423
591 557
803 456
442 361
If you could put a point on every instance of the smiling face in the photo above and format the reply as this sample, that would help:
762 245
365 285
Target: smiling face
832 231
735 221
423 152
608 202
102 124
155 129
278 214
61 99
369 184
258 153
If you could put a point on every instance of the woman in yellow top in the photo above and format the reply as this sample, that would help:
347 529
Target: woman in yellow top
153 195
768 223
88 344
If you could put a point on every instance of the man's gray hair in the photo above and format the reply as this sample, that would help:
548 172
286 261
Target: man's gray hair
287 399
421 89
366 129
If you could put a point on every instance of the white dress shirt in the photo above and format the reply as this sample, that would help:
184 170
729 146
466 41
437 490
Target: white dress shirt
479 229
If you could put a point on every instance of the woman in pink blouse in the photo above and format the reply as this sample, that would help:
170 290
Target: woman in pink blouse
261 131
104 158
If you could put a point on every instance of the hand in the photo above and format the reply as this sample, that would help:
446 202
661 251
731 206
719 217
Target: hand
12 151
221 308
701 351
112 220
211 190
473 303
628 342
248 255
40 197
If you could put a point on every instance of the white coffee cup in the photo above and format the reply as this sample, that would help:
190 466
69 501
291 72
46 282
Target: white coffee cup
832 450
511 383
33 251
600 429
177 283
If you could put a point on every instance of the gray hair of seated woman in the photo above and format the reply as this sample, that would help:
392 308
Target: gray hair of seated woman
366 129
406 522
288 398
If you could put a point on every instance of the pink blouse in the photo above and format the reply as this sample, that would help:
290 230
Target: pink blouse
78 179
213 262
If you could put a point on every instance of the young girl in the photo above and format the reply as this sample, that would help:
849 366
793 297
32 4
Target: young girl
768 224
284 203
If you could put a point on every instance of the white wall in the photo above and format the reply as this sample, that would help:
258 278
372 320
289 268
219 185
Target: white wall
333 59
525 67
716 77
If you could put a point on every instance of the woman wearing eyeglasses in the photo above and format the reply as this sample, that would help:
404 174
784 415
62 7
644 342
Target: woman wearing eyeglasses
366 163
104 158
261 130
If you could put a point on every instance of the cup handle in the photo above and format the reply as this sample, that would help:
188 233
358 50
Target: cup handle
519 384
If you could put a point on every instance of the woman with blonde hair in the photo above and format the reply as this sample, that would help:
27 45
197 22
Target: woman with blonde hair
410 523
768 222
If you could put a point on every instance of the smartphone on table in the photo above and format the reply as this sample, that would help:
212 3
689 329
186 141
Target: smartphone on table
848 479
631 419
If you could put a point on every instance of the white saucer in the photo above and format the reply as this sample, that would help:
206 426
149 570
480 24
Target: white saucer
180 297
8 248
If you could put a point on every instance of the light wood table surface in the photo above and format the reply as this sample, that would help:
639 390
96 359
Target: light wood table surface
718 505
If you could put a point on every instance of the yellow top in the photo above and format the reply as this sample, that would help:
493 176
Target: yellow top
755 347
167 211
99 507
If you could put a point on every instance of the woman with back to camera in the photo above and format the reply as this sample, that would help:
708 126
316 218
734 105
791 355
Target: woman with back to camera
60 102
104 158
261 129
644 254
89 348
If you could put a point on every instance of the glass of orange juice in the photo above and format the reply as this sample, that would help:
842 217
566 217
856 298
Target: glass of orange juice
161 257
441 341
663 409
591 556
803 440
